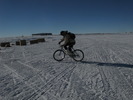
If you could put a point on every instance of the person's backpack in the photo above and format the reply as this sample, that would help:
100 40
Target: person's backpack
72 35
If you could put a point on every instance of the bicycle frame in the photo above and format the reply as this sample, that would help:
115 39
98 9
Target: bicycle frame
74 53
77 54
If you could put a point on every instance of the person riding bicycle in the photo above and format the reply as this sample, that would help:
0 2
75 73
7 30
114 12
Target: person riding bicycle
69 41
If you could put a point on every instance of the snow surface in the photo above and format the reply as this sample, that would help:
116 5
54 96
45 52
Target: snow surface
106 73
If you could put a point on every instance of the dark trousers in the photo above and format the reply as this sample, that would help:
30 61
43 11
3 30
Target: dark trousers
69 46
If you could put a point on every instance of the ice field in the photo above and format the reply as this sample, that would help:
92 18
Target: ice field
106 72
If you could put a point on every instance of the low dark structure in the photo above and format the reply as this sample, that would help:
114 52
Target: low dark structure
41 34
17 43
41 40
21 42
33 41
5 44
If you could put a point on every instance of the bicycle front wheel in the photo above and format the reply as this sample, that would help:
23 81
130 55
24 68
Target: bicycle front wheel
78 55
59 55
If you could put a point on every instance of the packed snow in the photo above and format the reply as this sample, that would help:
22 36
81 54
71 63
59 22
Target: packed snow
106 72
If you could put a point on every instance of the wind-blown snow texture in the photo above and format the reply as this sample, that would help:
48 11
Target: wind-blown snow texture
106 73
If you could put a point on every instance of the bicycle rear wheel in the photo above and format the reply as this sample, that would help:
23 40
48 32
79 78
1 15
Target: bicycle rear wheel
78 55
59 55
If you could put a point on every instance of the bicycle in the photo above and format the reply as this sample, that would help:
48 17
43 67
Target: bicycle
76 54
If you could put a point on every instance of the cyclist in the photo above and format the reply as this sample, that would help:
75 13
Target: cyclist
69 41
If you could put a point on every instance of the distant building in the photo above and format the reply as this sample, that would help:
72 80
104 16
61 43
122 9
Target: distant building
41 34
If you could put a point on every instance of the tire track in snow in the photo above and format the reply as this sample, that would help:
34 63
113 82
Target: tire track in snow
31 56
24 80
51 82
109 93
28 83
59 88
123 52
126 87
35 69
39 57
126 91
99 56
21 78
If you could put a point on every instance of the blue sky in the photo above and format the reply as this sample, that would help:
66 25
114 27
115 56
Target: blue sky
24 17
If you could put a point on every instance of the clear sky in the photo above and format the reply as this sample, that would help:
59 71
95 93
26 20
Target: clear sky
24 17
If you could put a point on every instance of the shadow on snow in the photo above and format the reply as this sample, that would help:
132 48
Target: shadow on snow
108 64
